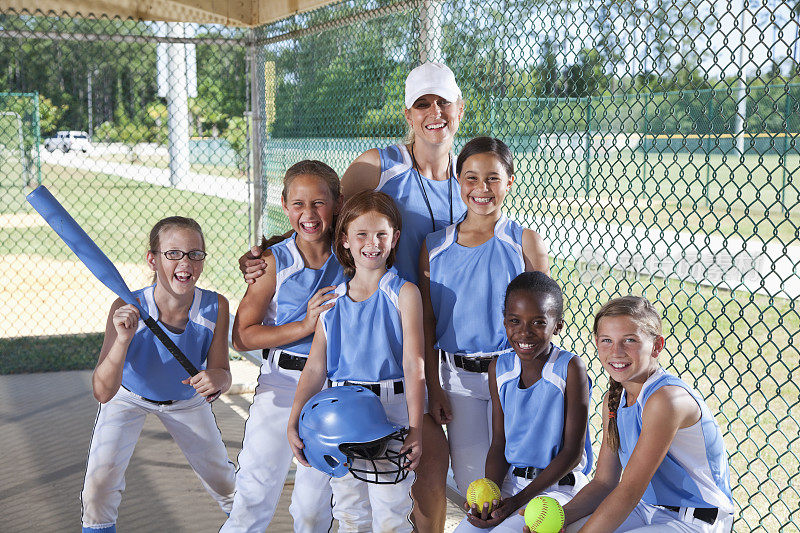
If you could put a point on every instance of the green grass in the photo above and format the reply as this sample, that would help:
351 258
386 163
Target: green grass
681 192
22 355
718 194
737 349
118 214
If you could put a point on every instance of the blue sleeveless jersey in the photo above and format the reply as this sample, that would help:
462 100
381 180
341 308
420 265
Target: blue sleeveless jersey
149 369
365 339
468 286
694 472
295 284
400 181
534 417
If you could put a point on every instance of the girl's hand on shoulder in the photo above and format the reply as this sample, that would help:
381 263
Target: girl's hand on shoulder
252 265
322 300
209 382
413 444
296 444
439 405
125 320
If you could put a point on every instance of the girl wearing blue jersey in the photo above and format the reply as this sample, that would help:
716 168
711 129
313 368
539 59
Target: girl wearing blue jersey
662 465
372 336
464 271
278 314
419 175
136 375
540 409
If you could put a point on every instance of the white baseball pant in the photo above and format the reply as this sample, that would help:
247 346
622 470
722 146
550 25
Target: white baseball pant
117 428
470 432
390 504
265 460
650 518
512 485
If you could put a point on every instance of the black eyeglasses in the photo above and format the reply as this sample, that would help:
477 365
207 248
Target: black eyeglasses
177 255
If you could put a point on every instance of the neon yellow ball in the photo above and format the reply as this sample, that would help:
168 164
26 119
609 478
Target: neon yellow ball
544 514
482 491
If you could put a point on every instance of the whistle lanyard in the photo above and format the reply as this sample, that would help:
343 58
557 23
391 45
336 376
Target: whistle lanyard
425 192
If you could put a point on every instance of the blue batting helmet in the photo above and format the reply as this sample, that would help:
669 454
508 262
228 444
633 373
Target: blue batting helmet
345 428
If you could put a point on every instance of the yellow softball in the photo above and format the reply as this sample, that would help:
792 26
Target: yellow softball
482 491
544 515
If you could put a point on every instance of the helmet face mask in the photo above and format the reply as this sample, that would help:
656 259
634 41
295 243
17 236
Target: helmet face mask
345 429
376 462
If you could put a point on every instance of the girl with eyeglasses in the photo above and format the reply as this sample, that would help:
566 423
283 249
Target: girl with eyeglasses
136 375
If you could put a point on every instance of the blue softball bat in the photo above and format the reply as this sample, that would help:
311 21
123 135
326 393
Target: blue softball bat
99 264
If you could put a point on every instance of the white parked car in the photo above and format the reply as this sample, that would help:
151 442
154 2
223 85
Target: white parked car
68 140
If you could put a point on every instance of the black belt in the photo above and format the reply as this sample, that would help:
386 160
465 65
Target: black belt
472 364
705 514
156 402
288 361
376 387
530 472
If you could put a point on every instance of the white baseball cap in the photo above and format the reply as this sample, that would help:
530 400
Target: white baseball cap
431 78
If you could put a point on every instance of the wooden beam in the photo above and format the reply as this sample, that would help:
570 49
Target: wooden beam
226 12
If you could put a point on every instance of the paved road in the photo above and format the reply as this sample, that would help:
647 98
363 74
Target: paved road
221 186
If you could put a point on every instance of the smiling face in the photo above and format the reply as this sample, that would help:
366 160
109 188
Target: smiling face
370 239
484 183
310 207
531 319
626 350
434 119
177 277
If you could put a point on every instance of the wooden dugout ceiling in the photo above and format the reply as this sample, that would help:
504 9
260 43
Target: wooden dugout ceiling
228 12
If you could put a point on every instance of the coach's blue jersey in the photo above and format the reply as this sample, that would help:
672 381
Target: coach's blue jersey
533 417
365 339
400 181
468 286
295 284
694 472
149 369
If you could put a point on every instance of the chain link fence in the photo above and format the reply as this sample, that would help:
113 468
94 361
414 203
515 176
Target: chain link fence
656 148
655 142
125 122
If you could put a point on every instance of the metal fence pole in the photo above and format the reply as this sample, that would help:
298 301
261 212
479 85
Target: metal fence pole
256 145
740 120
588 150
177 107
430 34
784 154
37 139
710 111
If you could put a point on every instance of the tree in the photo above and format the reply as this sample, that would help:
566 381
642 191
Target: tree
236 135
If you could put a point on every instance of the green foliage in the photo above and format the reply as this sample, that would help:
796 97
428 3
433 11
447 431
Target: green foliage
236 135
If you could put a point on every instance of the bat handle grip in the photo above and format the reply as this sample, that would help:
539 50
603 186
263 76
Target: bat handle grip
211 397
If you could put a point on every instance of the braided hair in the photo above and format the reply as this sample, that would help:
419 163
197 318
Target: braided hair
644 314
